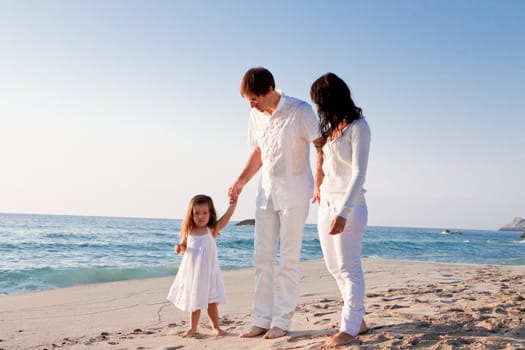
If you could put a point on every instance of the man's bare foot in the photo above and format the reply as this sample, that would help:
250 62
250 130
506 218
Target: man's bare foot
340 338
253 332
275 332
217 331
189 333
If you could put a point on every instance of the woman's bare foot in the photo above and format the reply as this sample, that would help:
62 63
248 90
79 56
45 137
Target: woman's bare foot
217 331
189 333
340 338
364 328
275 332
253 332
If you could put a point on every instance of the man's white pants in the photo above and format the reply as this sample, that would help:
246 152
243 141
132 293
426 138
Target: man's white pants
271 227
342 256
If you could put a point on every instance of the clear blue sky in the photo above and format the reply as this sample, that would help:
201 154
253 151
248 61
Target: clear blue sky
128 108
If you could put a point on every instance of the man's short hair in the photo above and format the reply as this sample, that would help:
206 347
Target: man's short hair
257 81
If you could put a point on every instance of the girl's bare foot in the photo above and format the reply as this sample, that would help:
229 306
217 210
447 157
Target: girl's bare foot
189 333
253 332
219 332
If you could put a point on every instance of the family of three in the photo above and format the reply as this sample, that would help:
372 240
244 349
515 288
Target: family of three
281 130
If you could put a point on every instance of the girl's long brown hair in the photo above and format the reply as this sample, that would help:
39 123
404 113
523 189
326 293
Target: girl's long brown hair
187 223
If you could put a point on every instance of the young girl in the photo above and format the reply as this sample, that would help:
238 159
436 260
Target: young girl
198 284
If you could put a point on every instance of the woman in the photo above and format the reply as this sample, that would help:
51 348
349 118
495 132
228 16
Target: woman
342 215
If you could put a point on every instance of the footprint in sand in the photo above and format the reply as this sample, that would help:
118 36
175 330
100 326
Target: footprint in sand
319 314
490 325
419 301
392 298
403 290
373 295
323 321
445 295
395 306
454 309
226 321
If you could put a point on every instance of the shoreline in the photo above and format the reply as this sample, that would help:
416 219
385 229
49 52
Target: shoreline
410 304
249 267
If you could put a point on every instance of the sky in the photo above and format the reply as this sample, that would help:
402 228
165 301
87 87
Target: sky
129 108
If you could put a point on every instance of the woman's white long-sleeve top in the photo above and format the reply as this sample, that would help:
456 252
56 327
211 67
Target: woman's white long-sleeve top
345 163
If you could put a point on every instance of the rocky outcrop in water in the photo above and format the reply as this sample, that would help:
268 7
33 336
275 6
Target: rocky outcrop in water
518 224
247 222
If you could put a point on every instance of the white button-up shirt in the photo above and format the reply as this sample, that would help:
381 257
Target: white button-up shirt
284 138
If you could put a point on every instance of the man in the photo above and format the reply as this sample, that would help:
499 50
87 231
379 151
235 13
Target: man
280 130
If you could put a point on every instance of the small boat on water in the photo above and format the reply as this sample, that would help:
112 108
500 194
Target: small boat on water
448 232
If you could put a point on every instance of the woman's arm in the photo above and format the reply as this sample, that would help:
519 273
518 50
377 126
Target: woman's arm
319 174
360 139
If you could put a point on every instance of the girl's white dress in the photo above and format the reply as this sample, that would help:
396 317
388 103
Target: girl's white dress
199 280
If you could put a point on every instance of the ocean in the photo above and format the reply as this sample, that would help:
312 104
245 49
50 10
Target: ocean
40 252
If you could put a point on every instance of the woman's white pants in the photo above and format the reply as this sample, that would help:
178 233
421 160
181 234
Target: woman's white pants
273 227
342 256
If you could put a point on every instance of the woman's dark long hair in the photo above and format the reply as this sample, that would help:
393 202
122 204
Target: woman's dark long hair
334 103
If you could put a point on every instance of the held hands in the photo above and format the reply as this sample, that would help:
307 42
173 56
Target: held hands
337 225
232 200
234 191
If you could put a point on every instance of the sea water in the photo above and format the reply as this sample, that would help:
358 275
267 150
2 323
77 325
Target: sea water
39 252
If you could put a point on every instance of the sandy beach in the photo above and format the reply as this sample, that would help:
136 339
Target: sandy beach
410 305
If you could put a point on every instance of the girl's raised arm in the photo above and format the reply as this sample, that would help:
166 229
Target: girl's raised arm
223 221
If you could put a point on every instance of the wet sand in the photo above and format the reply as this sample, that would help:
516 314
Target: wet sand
410 305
